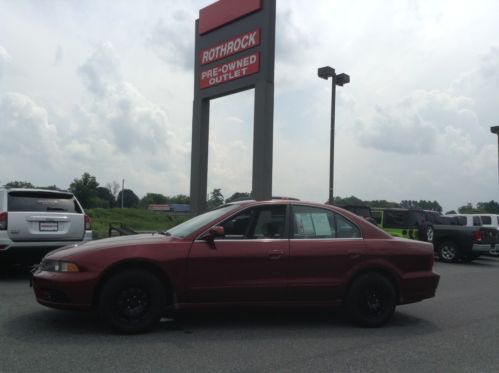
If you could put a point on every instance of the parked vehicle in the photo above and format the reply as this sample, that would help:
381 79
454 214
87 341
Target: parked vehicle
491 221
360 210
35 221
463 243
279 252
408 223
455 238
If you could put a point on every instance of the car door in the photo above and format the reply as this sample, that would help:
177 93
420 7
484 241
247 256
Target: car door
247 264
324 245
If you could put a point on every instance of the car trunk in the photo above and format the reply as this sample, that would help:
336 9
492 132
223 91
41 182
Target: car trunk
44 216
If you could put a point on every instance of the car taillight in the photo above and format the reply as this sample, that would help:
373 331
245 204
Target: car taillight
3 221
88 223
477 235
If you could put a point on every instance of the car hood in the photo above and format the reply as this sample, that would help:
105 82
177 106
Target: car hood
113 242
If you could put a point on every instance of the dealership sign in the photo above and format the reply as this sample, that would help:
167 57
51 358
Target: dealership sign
234 51
234 69
230 47
234 46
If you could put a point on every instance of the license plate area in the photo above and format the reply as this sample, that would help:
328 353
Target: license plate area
48 226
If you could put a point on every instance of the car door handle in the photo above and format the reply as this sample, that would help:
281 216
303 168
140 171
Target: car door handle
275 254
354 254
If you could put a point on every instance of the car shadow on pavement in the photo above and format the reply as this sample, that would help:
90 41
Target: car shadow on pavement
53 326
309 320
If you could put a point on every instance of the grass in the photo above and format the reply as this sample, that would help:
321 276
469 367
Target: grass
137 219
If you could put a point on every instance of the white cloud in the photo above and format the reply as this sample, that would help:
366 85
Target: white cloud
5 59
415 124
168 39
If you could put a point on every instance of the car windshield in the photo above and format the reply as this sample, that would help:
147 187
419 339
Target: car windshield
192 225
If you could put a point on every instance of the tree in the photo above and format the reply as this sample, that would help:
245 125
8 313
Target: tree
104 198
382 204
130 199
85 189
19 184
352 200
216 199
424 205
153 199
114 188
237 196
491 207
468 209
179 198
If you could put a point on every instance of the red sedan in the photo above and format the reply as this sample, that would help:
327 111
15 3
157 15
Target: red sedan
278 252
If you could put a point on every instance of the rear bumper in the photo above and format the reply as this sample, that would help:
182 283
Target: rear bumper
482 248
7 245
417 287
20 252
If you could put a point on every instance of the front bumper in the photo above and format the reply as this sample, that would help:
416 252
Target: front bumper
64 290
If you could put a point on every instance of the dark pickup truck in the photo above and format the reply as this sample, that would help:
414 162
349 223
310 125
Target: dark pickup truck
454 242
451 240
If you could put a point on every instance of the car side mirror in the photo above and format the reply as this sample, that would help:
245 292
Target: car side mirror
213 232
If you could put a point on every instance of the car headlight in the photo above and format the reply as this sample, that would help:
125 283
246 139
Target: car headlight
58 266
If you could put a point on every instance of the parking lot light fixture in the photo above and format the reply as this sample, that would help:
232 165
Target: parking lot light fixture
327 72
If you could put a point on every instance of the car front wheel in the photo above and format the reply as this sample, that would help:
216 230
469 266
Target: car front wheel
132 301
371 300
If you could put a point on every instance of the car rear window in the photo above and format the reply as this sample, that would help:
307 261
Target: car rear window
486 219
42 202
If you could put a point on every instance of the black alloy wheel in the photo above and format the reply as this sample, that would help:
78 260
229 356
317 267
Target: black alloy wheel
132 301
371 300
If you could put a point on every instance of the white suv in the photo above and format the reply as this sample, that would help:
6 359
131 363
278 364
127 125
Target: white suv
36 221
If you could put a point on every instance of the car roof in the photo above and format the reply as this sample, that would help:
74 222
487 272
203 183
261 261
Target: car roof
36 190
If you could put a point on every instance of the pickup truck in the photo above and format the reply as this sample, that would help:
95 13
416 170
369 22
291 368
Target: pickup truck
454 243
452 240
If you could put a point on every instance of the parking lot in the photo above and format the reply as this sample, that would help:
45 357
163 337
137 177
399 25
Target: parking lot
458 331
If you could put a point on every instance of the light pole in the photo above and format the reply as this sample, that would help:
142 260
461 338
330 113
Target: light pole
327 72
495 130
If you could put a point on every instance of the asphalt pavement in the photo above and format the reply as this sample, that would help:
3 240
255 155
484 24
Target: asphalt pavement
457 331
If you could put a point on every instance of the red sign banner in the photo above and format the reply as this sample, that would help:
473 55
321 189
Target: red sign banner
236 69
232 46
224 11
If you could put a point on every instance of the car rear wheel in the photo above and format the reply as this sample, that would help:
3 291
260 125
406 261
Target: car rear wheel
448 252
132 301
371 300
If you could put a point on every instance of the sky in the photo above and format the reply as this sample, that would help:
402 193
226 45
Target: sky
106 87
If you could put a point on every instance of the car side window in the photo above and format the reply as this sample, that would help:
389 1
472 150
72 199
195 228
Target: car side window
257 223
345 229
313 222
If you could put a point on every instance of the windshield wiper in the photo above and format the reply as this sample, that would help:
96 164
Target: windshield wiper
165 233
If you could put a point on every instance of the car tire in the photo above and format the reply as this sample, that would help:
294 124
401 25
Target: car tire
132 301
448 252
426 232
371 300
